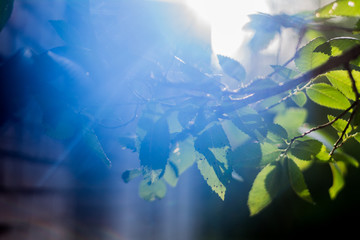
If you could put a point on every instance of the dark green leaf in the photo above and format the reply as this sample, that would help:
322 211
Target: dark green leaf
306 150
129 175
297 181
214 137
246 155
154 149
346 158
327 96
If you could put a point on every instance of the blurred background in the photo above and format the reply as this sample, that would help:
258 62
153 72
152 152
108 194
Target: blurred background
52 189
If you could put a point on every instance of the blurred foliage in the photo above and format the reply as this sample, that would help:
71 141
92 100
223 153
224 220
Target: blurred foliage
184 114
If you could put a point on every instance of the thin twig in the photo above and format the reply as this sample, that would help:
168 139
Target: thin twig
320 126
340 141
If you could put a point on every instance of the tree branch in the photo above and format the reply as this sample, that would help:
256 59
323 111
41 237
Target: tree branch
262 94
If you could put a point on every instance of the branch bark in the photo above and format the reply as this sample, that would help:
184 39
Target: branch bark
262 94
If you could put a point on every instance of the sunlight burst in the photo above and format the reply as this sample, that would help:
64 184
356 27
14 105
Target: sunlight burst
227 18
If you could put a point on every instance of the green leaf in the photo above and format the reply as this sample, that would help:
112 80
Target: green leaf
276 134
210 176
269 153
297 181
232 68
346 158
154 150
246 155
92 142
292 119
341 80
348 8
299 98
6 7
338 180
214 137
327 96
340 125
306 150
181 158
235 136
152 191
129 175
306 59
266 186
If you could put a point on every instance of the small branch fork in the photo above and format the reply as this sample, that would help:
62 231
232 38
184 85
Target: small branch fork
354 106
340 141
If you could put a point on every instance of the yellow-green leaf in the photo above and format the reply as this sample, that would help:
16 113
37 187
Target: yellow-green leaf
152 191
327 96
340 125
341 80
307 59
211 178
349 8
264 189
338 180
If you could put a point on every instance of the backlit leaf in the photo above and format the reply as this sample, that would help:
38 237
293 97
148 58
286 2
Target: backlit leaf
306 59
346 158
349 8
152 191
291 120
297 181
299 98
338 180
265 188
340 125
182 156
327 96
211 178
341 80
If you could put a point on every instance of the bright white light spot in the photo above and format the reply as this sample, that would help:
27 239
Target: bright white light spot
334 6
351 4
227 18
